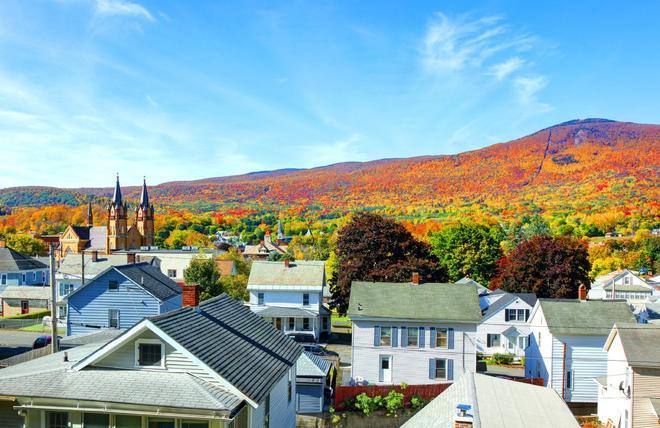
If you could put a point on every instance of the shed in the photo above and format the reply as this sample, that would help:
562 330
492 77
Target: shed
311 377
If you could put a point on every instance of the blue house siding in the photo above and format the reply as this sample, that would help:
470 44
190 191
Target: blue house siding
174 303
88 308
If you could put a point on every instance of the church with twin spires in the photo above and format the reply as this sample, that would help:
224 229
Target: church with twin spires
117 234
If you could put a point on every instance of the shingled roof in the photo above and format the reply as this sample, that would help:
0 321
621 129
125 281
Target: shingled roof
573 317
13 261
233 341
299 273
639 342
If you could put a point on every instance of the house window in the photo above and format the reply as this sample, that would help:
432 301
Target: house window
57 420
493 340
113 318
521 315
569 379
3 279
65 289
160 423
305 299
305 323
127 421
113 285
171 273
441 338
61 312
522 342
626 280
260 298
386 336
149 353
292 323
194 424
96 420
413 336
441 369
23 278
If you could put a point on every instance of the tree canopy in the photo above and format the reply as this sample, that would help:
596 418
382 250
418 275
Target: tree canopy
373 248
551 267
204 273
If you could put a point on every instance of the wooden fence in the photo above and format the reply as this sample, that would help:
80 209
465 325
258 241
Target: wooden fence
26 356
427 392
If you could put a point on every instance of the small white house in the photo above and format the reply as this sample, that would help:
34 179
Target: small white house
412 333
566 344
629 394
504 328
621 284
290 295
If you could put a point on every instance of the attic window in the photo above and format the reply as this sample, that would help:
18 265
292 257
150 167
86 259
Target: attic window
113 285
149 353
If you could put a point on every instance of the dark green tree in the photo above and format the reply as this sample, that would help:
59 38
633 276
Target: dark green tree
204 273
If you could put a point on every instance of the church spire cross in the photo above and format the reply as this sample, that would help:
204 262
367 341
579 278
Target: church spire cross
116 198
144 196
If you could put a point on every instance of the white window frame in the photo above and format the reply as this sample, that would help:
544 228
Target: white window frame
437 337
110 317
172 272
435 368
381 336
150 342
408 345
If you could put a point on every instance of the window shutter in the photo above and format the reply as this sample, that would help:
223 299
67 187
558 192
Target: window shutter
404 337
450 369
489 340
506 315
450 338
526 314
376 335
395 337
432 337
431 368
421 337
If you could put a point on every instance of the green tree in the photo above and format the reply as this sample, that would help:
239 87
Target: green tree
468 250
204 273
236 285
373 248
550 267
26 244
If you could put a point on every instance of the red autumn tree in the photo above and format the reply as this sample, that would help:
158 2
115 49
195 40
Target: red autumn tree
551 267
373 248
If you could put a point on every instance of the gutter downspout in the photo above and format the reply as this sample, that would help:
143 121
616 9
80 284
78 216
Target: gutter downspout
563 374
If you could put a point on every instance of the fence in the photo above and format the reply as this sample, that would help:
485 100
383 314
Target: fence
427 392
25 356
15 324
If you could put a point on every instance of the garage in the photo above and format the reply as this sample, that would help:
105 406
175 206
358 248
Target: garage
311 380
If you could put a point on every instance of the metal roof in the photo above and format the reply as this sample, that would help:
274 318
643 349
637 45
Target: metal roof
233 341
428 301
151 279
495 403
573 317
310 365
301 273
13 261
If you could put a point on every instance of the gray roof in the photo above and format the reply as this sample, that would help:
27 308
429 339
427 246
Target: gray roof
655 405
496 403
573 317
480 288
13 261
508 298
641 343
428 301
72 264
30 292
151 279
233 341
629 287
310 365
301 273
652 310
100 336
283 311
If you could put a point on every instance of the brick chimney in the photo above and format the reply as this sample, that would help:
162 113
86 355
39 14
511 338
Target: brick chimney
95 256
190 295
415 278
582 292
130 258
3 243
286 263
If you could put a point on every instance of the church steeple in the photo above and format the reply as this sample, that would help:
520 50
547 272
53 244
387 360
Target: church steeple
90 215
144 217
116 197
144 196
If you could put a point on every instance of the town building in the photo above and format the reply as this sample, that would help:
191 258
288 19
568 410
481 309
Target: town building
290 295
621 284
23 300
20 269
411 332
629 394
265 248
216 365
312 379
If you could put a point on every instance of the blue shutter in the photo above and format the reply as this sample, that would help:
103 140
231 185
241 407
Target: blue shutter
488 340
431 368
376 335
395 337
421 337
404 337
506 315
450 338
433 337
450 369
526 314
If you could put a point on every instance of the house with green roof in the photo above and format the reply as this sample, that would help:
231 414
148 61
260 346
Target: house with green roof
411 332
566 344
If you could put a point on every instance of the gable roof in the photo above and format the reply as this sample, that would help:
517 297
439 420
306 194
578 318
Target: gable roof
573 317
480 288
640 343
310 365
506 300
13 261
234 342
629 287
29 292
299 273
428 301
72 264
496 403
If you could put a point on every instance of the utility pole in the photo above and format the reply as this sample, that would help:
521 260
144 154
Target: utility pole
53 300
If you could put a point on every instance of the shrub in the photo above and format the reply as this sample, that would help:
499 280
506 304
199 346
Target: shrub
417 402
502 358
368 404
393 402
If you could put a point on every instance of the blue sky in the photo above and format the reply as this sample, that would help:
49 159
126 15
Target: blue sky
179 90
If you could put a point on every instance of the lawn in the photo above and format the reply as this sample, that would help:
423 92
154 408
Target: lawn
36 328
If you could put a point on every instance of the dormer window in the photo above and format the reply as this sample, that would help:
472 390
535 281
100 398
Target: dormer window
149 353
113 285
305 299
260 298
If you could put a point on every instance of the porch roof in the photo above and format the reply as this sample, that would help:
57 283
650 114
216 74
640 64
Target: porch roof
517 330
283 312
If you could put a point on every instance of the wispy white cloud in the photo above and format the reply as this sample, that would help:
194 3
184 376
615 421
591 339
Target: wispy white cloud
502 70
325 153
122 8
527 89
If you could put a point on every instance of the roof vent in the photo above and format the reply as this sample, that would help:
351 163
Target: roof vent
359 306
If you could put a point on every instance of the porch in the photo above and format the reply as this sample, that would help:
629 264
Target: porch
291 320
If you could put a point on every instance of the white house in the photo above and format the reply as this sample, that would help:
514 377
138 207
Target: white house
629 394
172 263
290 295
621 284
413 333
17 269
566 344
503 328
216 365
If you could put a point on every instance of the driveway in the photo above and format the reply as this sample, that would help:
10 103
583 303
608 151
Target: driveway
13 342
